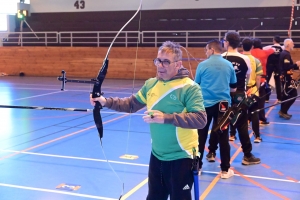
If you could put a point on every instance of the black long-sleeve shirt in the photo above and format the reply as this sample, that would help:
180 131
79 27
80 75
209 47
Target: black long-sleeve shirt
286 63
273 59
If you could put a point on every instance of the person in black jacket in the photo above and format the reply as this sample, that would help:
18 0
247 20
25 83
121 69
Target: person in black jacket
273 66
287 66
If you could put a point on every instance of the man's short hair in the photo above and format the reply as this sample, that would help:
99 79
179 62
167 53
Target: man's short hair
287 42
247 44
215 44
173 48
276 38
257 43
233 38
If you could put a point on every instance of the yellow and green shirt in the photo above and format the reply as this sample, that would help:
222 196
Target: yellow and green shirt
181 101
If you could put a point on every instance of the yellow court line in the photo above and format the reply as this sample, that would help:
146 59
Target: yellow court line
213 183
133 190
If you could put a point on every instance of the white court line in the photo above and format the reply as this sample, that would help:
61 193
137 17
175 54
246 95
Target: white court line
276 99
58 86
39 89
75 158
285 123
134 164
36 96
70 90
258 177
56 191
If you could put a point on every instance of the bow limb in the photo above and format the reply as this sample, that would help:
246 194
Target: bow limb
100 78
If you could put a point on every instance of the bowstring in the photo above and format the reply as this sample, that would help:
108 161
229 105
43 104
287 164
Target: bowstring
291 20
133 85
189 61
108 51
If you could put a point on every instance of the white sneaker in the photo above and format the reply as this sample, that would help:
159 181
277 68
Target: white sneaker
232 138
228 174
258 140
199 172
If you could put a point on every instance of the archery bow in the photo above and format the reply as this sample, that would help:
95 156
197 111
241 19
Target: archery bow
97 92
97 88
100 78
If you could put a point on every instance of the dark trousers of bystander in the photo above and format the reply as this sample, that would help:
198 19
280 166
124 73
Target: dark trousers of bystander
261 103
242 128
287 94
278 84
222 139
254 119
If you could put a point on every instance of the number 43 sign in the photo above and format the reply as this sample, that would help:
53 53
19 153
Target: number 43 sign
79 4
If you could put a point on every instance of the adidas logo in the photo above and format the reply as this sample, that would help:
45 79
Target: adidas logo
186 187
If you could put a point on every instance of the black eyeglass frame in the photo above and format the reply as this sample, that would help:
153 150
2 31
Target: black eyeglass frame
164 63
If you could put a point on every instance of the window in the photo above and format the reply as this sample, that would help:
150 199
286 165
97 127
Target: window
10 6
3 22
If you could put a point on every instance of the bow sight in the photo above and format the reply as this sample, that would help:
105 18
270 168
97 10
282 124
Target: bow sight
64 80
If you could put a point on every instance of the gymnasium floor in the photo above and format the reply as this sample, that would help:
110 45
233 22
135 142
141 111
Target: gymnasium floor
47 154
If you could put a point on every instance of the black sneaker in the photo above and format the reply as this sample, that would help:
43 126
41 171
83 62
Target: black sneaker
211 157
251 160
285 116
264 123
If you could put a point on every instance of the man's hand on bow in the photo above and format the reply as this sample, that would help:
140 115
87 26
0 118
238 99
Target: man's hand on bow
101 99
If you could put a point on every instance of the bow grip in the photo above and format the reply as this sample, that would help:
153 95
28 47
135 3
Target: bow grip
97 93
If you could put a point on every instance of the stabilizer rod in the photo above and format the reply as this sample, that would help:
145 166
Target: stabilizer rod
64 80
47 108
276 104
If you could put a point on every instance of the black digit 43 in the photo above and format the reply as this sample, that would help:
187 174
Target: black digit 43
79 4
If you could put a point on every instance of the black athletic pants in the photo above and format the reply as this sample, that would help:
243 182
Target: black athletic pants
242 128
174 178
215 138
277 80
261 103
292 92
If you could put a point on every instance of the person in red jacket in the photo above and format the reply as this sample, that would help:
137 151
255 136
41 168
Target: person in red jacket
262 55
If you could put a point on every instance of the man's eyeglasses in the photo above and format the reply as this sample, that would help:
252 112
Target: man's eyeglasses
164 63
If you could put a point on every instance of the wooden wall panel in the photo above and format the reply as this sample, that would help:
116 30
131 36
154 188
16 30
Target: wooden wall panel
84 62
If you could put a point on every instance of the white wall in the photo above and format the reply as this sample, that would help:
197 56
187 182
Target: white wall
3 27
7 24
10 6
3 22
41 6
11 23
